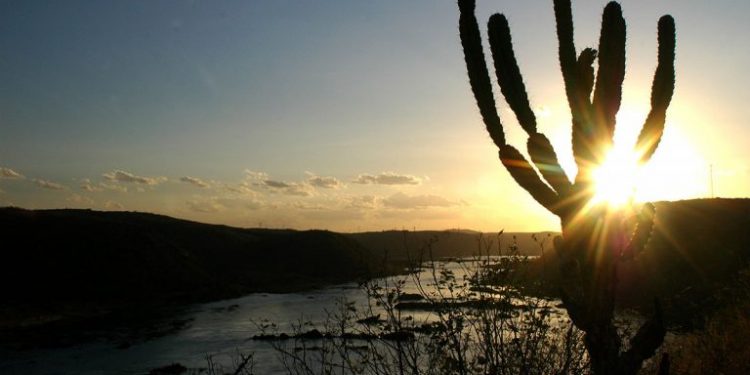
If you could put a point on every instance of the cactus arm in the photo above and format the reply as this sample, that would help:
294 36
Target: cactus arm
644 227
645 342
611 73
585 65
567 52
479 77
508 74
512 86
578 97
545 159
661 91
527 178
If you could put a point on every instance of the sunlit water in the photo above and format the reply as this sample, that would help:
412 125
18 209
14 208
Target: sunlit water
220 329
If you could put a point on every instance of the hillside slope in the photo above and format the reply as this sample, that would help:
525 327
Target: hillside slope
51 256
410 245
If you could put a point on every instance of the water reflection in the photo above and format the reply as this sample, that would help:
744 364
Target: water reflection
220 329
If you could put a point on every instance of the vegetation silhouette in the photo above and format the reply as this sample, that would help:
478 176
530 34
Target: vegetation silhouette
594 238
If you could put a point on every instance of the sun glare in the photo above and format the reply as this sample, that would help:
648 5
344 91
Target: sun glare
615 179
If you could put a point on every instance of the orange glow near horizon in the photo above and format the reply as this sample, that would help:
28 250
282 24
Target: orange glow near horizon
675 171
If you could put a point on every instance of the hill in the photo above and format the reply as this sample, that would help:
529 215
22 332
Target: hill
694 257
422 245
691 263
83 260
53 258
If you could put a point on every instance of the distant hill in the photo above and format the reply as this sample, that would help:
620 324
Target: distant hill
416 245
77 262
691 263
63 256
52 256
696 251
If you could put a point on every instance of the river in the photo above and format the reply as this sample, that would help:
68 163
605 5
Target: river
220 329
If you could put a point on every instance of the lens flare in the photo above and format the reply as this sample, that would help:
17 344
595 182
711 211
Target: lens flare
615 179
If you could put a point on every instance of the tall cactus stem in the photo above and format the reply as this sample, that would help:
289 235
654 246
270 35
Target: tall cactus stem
662 89
479 77
609 78
585 71
508 74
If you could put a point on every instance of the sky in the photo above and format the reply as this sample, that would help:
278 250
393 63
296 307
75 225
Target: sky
341 115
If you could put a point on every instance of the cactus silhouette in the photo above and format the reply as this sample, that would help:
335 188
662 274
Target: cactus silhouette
594 239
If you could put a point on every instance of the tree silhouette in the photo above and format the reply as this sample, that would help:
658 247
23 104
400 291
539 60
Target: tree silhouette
594 238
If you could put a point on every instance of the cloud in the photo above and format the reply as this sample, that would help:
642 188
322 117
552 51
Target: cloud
113 187
253 175
91 187
48 184
88 186
261 181
307 206
405 202
283 187
300 190
363 201
122 176
194 181
323 182
276 184
387 178
9 173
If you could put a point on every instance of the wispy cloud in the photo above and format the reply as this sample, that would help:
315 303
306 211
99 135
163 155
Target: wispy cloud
323 182
261 181
289 188
276 184
241 188
48 184
127 177
195 181
403 201
91 187
9 173
307 206
387 178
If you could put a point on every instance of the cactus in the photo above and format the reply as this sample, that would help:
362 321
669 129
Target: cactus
593 239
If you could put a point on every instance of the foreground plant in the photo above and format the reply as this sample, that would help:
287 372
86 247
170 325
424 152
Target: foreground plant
463 316
594 238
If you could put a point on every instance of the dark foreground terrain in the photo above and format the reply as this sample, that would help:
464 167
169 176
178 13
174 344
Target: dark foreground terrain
76 267
692 262
66 264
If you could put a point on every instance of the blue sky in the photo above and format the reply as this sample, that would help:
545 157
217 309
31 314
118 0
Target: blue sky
340 115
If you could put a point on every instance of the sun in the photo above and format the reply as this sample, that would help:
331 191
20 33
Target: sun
616 178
